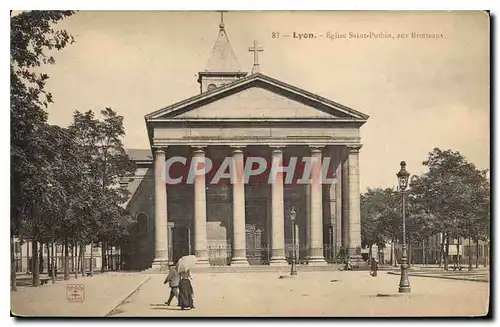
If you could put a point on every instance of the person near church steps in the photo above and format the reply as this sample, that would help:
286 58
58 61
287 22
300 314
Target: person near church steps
373 267
185 292
173 280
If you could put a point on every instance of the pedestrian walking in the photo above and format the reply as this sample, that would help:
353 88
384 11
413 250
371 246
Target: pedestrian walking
186 292
173 280
373 267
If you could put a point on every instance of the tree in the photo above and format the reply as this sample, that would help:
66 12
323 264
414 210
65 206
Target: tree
106 162
32 34
448 192
379 213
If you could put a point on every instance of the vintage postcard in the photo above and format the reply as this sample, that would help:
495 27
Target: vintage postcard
250 163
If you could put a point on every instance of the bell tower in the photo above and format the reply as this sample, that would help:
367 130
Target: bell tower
222 66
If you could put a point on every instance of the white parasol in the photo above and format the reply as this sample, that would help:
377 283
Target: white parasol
186 263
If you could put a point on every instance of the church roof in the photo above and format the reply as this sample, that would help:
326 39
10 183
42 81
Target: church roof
140 154
255 80
222 59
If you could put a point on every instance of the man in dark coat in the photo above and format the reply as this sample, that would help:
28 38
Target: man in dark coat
374 267
185 293
173 280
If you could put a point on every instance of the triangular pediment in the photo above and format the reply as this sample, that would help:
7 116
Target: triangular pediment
257 97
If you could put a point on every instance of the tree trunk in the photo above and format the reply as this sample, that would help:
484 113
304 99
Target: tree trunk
40 260
447 252
29 263
66 259
82 258
36 267
91 257
423 253
13 283
111 258
409 253
28 268
470 255
477 253
486 254
52 261
392 252
103 256
459 264
441 250
75 258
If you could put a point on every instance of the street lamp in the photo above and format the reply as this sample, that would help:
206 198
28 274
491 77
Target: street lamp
404 283
293 214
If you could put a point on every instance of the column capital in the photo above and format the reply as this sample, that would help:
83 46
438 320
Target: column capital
158 150
199 149
237 148
353 148
315 149
316 146
277 150
277 146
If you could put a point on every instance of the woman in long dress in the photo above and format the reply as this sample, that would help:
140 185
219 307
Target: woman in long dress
185 292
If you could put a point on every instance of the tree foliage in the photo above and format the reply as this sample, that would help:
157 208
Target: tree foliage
64 181
452 197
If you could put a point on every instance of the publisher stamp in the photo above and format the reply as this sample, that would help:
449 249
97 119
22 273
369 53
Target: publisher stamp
75 293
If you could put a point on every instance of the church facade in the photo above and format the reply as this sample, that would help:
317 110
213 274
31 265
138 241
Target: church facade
248 118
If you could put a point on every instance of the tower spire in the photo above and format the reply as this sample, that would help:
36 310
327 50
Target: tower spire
222 66
221 24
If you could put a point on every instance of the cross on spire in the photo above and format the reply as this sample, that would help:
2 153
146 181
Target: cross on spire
221 24
255 49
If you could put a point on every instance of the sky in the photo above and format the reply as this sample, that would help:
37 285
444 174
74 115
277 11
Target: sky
419 93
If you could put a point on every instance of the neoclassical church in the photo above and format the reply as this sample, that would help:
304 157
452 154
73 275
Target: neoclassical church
240 115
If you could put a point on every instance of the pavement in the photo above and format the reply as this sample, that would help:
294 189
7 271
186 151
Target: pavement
474 275
328 294
254 294
100 294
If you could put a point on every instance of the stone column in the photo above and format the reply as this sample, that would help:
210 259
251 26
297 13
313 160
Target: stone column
354 212
200 211
239 243
161 236
308 220
338 199
316 256
277 213
345 201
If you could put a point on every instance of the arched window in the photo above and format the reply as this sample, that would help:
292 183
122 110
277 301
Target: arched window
211 87
142 223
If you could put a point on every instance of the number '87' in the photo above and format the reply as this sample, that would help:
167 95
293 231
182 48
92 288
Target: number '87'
276 35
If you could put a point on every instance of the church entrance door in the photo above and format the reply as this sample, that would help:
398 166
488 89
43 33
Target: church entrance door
255 231
255 250
181 242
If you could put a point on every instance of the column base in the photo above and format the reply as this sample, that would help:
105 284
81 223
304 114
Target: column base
239 261
202 262
316 261
278 261
160 264
357 261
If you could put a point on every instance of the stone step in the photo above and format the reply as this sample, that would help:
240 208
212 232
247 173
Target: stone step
261 268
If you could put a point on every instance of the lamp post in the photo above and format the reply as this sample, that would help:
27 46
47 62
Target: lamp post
404 283
293 214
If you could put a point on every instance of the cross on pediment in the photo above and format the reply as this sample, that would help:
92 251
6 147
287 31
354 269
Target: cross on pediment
255 49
